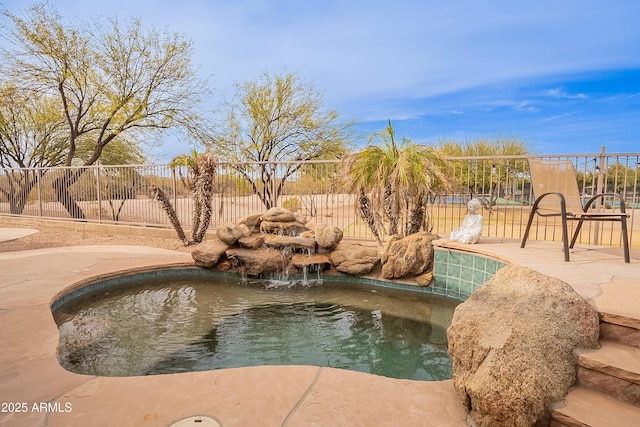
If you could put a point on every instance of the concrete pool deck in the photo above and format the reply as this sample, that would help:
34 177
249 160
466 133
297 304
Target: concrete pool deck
36 391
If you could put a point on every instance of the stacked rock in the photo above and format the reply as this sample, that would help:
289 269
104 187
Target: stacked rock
276 241
266 243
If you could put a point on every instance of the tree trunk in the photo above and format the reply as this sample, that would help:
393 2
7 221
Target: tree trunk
364 205
417 216
390 210
204 190
61 186
197 211
19 189
160 196
18 200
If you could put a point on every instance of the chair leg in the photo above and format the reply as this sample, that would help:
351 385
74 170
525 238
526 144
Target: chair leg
565 238
575 234
526 230
625 239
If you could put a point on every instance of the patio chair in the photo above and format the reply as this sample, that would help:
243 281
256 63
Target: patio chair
555 187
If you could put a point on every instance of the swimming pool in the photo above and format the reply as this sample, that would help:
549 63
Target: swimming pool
157 324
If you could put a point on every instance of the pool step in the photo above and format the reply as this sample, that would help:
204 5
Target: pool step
619 333
607 391
588 408
614 369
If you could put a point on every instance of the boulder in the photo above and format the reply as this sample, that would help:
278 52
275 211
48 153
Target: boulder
425 279
283 228
408 255
258 261
327 236
301 261
230 232
251 220
511 346
253 241
355 258
280 242
277 214
208 253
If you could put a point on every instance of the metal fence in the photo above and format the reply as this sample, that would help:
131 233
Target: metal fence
316 192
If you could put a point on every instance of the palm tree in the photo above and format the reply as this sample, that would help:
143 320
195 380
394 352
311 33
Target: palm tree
159 194
196 172
395 182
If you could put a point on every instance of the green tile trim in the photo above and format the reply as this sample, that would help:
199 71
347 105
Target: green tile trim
457 274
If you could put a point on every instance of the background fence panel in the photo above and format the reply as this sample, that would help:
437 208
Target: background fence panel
315 191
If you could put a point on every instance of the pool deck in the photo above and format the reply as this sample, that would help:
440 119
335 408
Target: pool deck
256 396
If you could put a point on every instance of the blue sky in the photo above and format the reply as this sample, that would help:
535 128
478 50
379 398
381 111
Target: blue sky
563 75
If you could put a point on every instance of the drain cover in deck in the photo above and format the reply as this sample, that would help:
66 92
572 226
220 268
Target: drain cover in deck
197 421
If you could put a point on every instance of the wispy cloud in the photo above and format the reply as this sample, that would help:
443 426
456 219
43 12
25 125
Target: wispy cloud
525 106
559 93
559 116
458 67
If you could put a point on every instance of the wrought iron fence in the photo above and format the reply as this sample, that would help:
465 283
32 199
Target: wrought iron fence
316 191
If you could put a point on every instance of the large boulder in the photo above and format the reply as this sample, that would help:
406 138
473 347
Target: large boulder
511 346
355 258
208 253
258 261
327 236
408 255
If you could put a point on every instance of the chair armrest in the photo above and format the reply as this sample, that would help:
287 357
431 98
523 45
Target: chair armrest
563 202
603 195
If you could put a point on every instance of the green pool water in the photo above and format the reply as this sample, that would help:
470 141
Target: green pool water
185 325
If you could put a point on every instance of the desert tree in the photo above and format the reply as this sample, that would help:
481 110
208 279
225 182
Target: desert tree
482 167
394 182
275 123
110 81
118 176
32 138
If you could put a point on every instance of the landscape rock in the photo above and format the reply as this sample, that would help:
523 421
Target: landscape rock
425 279
278 214
509 367
327 236
251 220
282 228
230 232
297 242
308 234
354 258
412 254
301 260
257 261
208 253
253 241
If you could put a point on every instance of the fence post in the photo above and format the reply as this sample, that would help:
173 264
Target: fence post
98 195
599 190
38 174
174 188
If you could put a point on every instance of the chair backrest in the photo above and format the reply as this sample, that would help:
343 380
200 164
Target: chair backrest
555 175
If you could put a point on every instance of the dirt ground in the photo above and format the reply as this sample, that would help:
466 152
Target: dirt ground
51 238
